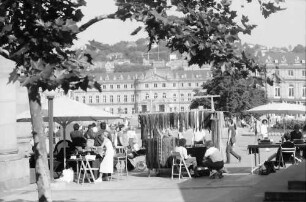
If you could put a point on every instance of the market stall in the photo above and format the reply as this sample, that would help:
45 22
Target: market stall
160 131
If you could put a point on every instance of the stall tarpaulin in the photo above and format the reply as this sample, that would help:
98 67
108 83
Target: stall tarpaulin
66 110
280 109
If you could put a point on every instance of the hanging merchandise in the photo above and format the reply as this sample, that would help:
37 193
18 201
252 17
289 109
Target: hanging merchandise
160 131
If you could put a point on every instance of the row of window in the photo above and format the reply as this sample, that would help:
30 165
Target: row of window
147 85
125 110
125 99
277 91
290 72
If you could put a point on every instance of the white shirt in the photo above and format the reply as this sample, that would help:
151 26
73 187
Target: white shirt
182 151
199 136
214 154
264 130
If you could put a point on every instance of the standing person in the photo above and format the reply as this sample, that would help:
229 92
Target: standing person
105 149
213 159
188 159
264 129
296 134
77 137
231 140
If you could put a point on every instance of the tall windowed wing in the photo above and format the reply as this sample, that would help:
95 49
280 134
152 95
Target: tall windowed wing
182 109
83 99
164 95
125 98
133 98
291 91
97 99
304 92
189 96
277 91
174 97
77 98
147 96
118 98
104 98
155 95
182 97
111 98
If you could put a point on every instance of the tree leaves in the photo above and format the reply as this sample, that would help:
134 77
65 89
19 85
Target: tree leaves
37 36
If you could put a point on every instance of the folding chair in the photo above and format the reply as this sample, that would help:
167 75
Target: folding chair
285 152
178 164
87 170
120 159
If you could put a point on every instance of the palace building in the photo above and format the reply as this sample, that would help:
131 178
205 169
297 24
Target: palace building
290 69
154 90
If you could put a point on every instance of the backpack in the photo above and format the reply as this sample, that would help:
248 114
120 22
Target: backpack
266 168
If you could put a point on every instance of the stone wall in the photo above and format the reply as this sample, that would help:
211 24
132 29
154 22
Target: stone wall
14 166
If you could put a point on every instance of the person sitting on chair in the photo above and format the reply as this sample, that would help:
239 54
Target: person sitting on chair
213 158
188 159
285 144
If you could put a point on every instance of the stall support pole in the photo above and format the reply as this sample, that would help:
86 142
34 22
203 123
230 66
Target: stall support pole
50 115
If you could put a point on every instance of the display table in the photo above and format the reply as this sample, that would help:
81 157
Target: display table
254 149
197 152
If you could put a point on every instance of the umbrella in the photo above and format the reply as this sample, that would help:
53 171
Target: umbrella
279 108
66 110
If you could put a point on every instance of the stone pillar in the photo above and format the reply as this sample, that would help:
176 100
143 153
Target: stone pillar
14 168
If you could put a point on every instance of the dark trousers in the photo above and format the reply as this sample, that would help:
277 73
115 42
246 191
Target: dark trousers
229 152
213 165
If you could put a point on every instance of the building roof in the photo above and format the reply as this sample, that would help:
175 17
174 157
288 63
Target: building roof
164 73
283 57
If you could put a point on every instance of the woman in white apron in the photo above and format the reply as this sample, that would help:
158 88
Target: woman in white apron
107 164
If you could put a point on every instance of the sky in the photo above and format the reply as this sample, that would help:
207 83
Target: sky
281 29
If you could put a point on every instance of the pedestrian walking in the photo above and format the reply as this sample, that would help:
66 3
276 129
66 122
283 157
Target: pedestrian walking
231 140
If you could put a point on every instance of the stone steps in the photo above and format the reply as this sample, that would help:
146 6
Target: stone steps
297 185
296 192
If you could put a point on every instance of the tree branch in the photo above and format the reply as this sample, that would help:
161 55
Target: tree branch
96 19
4 54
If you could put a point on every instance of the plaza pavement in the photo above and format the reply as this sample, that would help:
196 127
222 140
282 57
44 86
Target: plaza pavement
237 185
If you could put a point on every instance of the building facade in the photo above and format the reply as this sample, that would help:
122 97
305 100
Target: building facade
154 90
291 70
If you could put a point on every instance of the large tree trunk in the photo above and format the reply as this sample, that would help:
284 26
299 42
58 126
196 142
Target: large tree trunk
41 167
